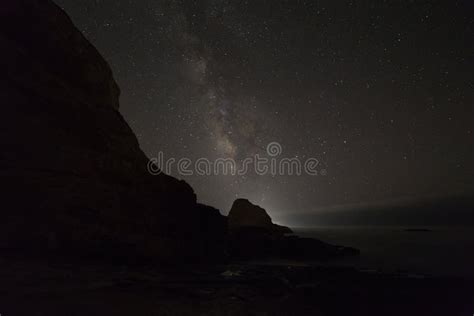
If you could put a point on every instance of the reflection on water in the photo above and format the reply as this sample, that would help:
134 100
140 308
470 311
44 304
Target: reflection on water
433 250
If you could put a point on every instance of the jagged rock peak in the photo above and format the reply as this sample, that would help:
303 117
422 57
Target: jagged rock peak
245 214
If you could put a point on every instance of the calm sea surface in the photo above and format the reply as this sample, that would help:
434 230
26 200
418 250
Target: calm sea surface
439 251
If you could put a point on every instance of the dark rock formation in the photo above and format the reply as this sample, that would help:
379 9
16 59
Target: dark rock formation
73 174
252 234
245 215
74 177
213 230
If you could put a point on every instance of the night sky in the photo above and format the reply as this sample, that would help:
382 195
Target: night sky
380 92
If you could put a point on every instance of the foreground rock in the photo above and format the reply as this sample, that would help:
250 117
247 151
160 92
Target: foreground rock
252 234
84 288
75 179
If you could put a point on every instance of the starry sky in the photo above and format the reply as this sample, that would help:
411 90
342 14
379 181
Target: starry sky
380 92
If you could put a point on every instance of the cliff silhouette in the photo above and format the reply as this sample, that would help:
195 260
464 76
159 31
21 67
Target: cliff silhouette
75 178
74 175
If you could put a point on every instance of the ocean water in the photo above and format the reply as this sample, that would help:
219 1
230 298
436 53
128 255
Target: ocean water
441 251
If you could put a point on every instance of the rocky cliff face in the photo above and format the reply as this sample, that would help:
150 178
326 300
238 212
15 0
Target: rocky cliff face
252 234
244 214
73 172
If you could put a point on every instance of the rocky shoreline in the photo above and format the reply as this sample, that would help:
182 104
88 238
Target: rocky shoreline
58 287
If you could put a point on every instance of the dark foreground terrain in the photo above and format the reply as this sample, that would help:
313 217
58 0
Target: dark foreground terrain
36 287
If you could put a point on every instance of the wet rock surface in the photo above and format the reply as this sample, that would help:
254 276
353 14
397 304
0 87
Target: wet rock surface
265 288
